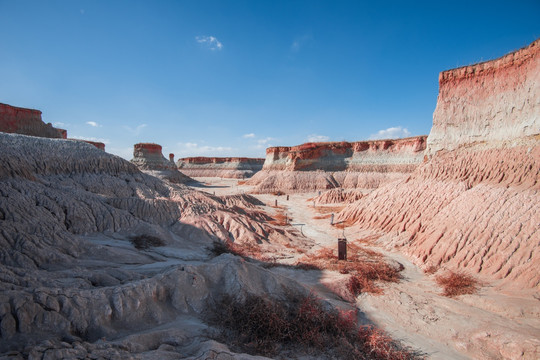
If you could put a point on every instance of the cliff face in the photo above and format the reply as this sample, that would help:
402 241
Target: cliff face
228 167
474 204
488 104
400 155
27 122
149 158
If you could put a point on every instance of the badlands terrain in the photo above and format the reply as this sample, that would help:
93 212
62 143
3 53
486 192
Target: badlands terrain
105 258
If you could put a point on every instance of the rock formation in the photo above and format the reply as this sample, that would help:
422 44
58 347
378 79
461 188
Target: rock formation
226 167
316 166
75 284
149 158
27 122
399 155
474 204
99 145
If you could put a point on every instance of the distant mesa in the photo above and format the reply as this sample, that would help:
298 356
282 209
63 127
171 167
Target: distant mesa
149 158
328 165
226 167
401 155
99 145
27 122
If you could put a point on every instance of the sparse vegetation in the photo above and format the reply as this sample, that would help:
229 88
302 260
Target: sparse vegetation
143 242
302 324
365 266
280 219
457 283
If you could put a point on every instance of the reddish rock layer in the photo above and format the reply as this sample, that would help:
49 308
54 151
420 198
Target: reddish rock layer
228 167
27 122
474 204
399 155
488 104
99 145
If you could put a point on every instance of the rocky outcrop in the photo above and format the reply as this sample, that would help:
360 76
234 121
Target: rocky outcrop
474 204
488 104
27 122
97 144
73 283
226 167
149 158
319 166
398 155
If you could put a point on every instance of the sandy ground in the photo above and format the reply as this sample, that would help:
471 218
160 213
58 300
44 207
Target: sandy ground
486 325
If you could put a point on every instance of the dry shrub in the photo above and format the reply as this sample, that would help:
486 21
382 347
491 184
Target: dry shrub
241 182
457 283
143 242
243 250
320 217
328 209
259 325
280 219
365 266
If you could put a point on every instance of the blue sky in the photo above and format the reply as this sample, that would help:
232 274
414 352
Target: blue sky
230 78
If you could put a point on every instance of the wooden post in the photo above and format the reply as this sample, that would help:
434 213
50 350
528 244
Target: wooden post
332 219
342 249
287 197
275 203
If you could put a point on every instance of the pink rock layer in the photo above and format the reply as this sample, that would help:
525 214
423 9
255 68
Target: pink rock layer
474 205
489 103
99 145
399 155
27 122
227 167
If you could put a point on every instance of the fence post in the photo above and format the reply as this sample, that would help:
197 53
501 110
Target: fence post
342 249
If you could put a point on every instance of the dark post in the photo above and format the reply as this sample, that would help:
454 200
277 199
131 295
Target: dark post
332 219
275 203
342 249
287 197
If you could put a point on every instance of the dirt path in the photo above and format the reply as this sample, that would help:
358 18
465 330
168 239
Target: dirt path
487 325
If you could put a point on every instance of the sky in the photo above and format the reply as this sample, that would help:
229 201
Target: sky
231 78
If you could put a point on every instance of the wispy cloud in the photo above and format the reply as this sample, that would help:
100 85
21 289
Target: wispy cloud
195 149
249 136
317 138
391 133
93 124
209 42
59 124
135 131
265 142
300 41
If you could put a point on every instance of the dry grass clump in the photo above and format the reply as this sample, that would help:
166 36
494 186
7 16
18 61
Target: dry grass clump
241 182
320 217
143 242
328 209
244 250
280 219
457 283
365 266
301 324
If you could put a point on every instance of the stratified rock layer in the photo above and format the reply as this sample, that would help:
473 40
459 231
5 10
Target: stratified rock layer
27 122
474 205
226 167
399 155
149 158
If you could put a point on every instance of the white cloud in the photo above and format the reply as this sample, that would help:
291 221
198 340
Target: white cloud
248 136
317 138
209 42
194 149
135 131
105 141
93 124
59 124
391 133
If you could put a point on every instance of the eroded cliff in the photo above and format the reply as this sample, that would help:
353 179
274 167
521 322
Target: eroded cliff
149 158
474 204
226 167
27 122
319 166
